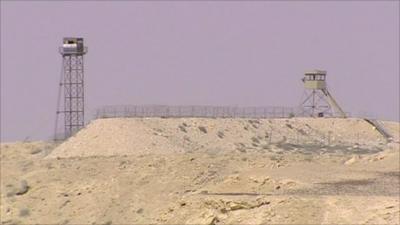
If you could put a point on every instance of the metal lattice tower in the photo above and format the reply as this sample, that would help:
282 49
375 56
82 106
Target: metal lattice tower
318 102
72 109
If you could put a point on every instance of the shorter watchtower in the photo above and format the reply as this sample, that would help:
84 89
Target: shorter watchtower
318 102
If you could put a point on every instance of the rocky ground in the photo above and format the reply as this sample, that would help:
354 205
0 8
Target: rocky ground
206 171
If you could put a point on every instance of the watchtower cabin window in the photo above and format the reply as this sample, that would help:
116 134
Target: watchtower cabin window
310 77
320 77
315 77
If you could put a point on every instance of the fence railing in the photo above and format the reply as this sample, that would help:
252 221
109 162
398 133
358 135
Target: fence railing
193 111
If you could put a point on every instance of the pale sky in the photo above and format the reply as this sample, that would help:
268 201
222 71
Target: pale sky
197 53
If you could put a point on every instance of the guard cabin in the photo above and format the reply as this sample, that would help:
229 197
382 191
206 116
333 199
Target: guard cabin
73 46
315 79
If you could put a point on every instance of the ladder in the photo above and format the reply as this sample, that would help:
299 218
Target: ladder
333 103
380 128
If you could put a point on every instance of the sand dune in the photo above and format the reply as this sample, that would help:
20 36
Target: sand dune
205 171
156 135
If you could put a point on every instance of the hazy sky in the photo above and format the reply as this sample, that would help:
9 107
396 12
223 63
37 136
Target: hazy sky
215 53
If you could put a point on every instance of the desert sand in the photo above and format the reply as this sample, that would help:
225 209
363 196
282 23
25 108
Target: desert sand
206 171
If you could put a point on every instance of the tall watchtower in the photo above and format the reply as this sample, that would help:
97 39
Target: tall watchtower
72 85
318 102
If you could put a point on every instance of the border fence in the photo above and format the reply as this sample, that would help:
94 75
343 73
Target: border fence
165 111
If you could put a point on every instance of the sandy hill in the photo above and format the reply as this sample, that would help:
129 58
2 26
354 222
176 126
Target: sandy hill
105 137
206 171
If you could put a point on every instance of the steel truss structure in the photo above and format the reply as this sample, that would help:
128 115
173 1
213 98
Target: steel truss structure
315 104
73 84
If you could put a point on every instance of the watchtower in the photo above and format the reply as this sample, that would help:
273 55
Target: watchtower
318 102
72 85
